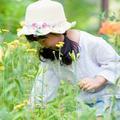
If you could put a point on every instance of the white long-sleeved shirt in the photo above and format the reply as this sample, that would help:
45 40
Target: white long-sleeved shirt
97 57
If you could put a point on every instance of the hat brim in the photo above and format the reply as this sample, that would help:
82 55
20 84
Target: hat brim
58 29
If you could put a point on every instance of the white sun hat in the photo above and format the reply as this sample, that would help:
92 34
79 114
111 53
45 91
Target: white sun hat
43 17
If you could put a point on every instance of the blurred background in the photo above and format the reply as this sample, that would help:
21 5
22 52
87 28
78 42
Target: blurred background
87 13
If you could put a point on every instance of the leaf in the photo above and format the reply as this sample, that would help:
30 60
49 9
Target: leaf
8 89
20 86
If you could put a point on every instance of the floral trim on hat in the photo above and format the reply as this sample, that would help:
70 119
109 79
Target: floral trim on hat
43 28
39 27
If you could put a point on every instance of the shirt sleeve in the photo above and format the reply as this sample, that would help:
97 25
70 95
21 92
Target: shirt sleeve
45 85
108 60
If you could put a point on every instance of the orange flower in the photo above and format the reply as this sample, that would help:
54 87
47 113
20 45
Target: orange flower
116 28
110 28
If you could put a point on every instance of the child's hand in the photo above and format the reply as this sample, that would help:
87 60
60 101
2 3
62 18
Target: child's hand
89 84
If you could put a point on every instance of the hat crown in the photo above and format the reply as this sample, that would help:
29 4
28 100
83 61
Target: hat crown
43 17
45 11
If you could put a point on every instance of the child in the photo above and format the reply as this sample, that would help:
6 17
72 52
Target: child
95 71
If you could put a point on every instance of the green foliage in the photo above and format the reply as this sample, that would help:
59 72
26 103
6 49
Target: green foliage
82 11
20 67
11 13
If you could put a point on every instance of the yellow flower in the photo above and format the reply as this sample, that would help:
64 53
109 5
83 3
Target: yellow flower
25 44
57 45
72 55
21 105
4 30
19 29
14 44
1 54
22 23
31 50
60 44
25 101
1 67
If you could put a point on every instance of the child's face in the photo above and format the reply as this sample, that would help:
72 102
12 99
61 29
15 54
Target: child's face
50 40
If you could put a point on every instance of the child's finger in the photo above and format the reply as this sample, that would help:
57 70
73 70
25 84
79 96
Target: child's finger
81 84
90 89
85 87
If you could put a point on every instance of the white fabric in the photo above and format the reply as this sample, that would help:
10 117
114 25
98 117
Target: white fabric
97 57
48 16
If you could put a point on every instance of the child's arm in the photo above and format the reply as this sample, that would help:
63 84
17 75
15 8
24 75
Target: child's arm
109 61
88 84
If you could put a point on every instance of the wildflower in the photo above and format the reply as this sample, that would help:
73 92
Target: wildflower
31 50
19 29
116 28
4 30
1 67
25 101
1 54
72 55
19 106
14 44
60 44
110 28
27 44
22 23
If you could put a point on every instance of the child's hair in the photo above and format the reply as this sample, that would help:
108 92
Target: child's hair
51 54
